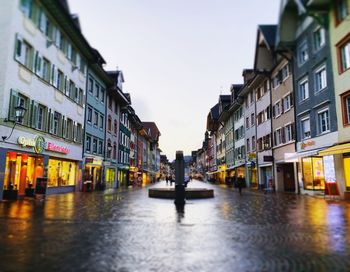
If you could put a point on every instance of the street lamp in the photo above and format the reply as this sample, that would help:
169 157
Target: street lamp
19 115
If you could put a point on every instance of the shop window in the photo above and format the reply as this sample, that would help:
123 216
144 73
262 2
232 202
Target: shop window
346 168
61 173
21 171
313 174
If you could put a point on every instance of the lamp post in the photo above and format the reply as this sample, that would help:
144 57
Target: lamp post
19 115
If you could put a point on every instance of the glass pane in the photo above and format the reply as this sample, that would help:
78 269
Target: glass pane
318 173
307 173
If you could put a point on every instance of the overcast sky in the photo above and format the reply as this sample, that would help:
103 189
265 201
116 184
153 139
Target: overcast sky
177 56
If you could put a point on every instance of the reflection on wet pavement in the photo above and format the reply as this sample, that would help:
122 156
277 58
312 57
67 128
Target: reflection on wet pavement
127 231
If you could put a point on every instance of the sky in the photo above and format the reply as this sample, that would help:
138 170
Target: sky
177 56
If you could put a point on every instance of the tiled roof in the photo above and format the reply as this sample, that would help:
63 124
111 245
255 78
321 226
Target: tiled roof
269 33
152 129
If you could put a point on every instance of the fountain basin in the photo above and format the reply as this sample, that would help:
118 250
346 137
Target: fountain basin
191 193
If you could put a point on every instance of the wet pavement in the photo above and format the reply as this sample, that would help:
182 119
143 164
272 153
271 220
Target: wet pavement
127 231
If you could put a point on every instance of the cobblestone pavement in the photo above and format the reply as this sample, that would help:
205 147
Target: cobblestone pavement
127 231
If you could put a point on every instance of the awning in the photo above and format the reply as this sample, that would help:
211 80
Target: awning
337 149
293 157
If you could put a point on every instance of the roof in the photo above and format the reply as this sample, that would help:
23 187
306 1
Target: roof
269 33
225 98
214 112
152 130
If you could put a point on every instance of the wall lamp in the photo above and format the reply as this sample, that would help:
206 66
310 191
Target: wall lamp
19 115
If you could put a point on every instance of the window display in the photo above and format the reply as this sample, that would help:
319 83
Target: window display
61 173
313 174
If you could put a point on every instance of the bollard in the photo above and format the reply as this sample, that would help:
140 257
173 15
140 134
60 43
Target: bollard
179 179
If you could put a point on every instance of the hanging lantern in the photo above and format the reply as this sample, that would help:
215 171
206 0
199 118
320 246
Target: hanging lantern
24 157
12 156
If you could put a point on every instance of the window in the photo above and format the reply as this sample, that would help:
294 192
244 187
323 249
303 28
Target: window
288 132
248 145
278 137
81 97
101 121
95 118
302 53
38 60
88 143
323 121
100 147
89 115
320 79
78 133
277 109
305 128
341 10
319 38
40 117
46 70
252 119
115 127
109 123
60 81
94 146
69 133
57 123
115 151
253 143
267 141
287 102
97 93
70 92
345 98
247 122
285 72
344 54
304 89
103 93
109 149
24 53
91 85
26 7
260 144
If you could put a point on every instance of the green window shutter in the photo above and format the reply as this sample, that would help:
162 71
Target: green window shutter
64 127
12 105
51 121
46 120
33 113
19 48
26 119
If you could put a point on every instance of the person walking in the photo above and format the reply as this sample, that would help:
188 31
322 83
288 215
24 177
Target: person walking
240 183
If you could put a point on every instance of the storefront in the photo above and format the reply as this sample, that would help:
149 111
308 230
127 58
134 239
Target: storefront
251 171
123 175
110 178
93 174
266 176
32 157
313 173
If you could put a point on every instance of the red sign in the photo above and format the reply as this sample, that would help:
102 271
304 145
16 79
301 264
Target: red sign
89 160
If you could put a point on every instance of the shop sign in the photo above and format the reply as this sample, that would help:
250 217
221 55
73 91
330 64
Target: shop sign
252 156
268 159
304 145
39 144
89 160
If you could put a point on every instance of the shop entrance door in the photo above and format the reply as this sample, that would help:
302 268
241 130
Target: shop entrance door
288 177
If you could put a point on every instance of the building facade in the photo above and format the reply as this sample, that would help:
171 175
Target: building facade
43 56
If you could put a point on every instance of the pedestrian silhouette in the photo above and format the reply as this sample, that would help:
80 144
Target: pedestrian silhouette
240 183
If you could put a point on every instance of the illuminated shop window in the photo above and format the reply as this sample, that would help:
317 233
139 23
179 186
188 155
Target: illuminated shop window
313 174
61 173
